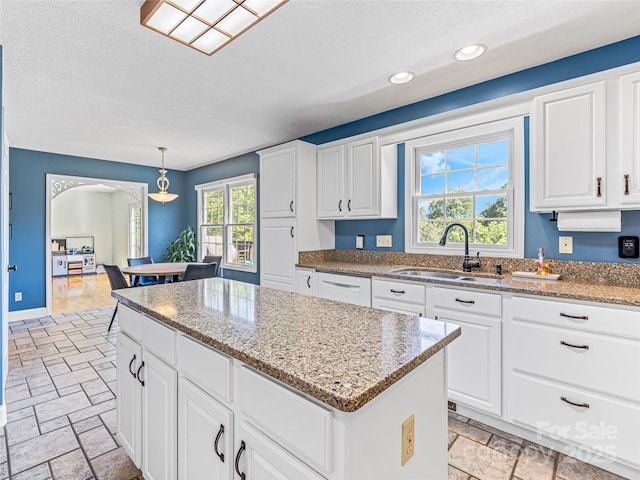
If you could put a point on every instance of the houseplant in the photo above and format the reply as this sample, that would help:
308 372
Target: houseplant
184 248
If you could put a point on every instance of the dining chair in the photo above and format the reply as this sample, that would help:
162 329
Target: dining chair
213 259
117 281
196 271
141 281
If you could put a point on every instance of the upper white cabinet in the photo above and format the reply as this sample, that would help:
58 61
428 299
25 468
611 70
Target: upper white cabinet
585 147
630 97
287 212
357 179
568 149
278 182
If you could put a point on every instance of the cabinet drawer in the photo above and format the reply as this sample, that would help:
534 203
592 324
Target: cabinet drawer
300 426
343 288
399 291
208 369
606 364
607 426
609 319
467 301
159 339
129 322
399 307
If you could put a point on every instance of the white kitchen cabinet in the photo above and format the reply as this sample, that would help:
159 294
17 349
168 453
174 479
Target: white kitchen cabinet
398 296
304 281
570 373
568 132
287 211
259 458
205 435
129 396
278 182
630 133
357 179
147 395
343 288
474 361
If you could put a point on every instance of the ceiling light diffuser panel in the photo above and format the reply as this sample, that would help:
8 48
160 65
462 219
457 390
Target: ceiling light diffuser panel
206 25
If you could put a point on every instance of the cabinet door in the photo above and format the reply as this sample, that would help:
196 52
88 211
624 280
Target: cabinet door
630 85
304 281
474 362
205 439
129 396
568 143
278 254
331 203
159 419
277 183
262 459
363 178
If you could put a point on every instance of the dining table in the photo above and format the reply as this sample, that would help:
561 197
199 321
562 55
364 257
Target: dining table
162 270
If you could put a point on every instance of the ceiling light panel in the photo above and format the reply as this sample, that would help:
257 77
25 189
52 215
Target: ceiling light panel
206 25
237 21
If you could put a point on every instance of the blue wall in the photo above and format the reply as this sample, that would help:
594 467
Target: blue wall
242 165
539 232
27 250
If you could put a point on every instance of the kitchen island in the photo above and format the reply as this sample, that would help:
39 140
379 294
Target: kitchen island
217 376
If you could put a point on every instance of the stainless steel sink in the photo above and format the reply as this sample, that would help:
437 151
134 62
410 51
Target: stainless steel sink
445 275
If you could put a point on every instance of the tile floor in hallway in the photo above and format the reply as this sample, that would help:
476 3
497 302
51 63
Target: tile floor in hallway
60 400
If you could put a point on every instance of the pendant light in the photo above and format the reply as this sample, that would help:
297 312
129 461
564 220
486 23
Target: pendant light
163 195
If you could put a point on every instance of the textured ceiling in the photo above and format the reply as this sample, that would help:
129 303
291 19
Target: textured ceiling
84 78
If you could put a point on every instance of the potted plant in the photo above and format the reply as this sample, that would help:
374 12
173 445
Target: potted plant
184 248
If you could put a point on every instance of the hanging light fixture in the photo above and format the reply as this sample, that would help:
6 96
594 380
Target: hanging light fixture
163 195
206 25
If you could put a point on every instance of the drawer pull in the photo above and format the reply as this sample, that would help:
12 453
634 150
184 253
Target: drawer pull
243 447
138 374
468 302
626 184
340 205
291 206
599 190
215 444
130 365
308 282
349 204
584 347
581 405
341 285
575 317
400 292
291 232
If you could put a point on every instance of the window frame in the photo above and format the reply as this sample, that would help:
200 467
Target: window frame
226 185
131 246
513 128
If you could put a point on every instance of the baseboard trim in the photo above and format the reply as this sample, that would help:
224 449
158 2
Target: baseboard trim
27 314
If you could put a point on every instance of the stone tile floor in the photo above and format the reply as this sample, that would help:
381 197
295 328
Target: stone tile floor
61 420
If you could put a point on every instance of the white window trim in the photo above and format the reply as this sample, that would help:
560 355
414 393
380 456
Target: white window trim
225 184
515 219
130 207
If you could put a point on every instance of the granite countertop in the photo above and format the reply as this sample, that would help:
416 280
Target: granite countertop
506 283
343 355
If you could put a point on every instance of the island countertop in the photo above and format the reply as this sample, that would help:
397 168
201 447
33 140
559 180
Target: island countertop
340 354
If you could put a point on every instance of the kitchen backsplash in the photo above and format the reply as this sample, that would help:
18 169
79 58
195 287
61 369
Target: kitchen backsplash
601 273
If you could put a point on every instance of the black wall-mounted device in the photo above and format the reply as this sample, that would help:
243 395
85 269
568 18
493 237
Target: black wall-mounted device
628 247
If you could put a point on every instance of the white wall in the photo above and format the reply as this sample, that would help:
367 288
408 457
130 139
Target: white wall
100 215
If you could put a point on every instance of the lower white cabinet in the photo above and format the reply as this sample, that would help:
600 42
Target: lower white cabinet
259 458
343 288
146 409
205 435
304 281
397 296
474 361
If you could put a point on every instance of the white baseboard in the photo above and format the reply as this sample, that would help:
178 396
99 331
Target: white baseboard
27 314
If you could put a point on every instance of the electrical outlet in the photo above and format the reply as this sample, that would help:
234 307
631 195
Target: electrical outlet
17 296
408 439
566 245
383 240
359 242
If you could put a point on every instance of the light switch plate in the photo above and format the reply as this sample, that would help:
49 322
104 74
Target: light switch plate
359 242
383 240
566 245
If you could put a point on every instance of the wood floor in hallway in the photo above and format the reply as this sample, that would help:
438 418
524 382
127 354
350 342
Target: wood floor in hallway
80 292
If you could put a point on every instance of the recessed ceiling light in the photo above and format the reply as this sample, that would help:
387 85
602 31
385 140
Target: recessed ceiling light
401 77
470 52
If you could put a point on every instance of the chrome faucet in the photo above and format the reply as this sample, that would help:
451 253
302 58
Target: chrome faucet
467 264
